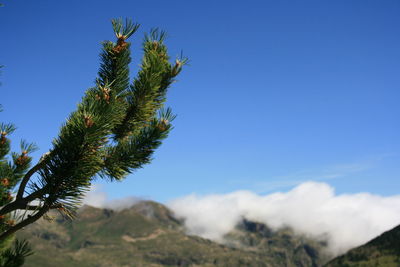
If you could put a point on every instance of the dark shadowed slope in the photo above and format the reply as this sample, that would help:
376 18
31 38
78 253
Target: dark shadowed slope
381 251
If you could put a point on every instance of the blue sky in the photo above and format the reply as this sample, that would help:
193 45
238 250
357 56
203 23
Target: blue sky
277 92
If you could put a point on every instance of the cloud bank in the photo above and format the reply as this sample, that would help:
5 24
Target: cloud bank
99 199
312 209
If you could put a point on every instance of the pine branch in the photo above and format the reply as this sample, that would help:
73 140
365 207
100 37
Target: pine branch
20 204
131 154
147 93
30 219
5 130
25 180
115 58
111 110
15 256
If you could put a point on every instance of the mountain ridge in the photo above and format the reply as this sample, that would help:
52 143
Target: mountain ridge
148 234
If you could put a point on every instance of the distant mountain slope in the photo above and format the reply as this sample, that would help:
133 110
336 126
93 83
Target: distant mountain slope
381 251
149 235
283 246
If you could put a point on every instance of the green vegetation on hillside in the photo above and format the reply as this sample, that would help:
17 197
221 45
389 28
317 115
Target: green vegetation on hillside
381 251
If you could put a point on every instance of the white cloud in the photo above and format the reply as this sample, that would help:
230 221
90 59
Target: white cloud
311 208
98 198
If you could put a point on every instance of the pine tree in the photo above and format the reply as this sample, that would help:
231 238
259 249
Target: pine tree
114 131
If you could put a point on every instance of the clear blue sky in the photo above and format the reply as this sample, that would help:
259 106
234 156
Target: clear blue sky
277 92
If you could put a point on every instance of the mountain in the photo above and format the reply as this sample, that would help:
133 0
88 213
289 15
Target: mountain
381 251
148 234
284 247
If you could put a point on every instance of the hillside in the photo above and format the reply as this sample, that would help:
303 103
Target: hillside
381 251
148 235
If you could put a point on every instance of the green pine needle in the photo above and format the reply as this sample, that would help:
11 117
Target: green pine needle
7 128
122 30
28 147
